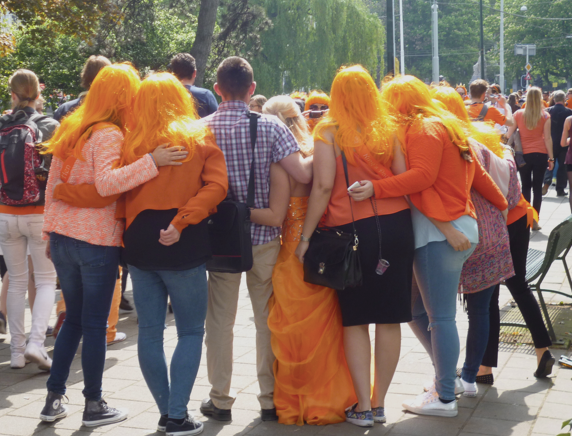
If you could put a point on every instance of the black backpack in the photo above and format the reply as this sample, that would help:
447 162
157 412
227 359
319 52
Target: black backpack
23 170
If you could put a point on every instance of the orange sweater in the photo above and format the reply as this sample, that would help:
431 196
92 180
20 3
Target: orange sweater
438 179
195 188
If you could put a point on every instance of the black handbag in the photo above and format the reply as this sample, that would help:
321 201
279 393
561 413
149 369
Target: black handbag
332 259
229 227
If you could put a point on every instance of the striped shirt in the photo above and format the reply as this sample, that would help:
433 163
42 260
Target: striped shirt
95 226
231 127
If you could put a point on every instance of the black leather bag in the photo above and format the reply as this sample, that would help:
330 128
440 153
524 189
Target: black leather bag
229 227
332 259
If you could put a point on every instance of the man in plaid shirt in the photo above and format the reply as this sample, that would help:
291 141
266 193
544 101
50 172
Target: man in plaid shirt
274 144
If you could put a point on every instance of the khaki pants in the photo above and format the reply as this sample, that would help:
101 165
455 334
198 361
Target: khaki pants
221 314
113 313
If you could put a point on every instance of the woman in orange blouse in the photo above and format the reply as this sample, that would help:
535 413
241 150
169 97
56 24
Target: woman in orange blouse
441 169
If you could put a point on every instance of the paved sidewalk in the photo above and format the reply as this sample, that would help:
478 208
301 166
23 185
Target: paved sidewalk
517 404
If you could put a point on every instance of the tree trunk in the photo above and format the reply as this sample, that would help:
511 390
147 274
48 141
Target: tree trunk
204 39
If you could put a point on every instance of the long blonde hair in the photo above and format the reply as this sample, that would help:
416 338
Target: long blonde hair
26 86
286 109
358 114
533 111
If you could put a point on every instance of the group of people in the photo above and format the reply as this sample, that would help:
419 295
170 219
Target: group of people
431 196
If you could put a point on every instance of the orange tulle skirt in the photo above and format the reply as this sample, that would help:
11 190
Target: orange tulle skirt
313 383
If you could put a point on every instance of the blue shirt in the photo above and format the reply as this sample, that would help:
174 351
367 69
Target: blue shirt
205 100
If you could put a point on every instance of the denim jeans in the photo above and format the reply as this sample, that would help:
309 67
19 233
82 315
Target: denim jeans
478 305
188 292
87 275
20 234
437 268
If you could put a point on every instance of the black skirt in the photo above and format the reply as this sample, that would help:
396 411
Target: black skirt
384 299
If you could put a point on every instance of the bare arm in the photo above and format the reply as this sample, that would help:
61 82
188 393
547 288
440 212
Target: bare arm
324 175
279 197
548 143
507 111
299 168
455 238
565 132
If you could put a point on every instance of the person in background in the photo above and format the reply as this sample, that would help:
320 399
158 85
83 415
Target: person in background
534 125
462 91
274 144
299 98
479 111
257 102
166 242
21 232
558 114
312 381
315 107
87 147
568 103
184 67
565 142
90 69
513 102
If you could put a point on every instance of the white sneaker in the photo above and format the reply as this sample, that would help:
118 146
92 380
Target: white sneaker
119 337
430 404
459 386
470 389
37 354
17 361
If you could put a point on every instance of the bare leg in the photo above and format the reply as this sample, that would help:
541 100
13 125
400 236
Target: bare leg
539 353
358 355
485 370
4 294
387 349
31 285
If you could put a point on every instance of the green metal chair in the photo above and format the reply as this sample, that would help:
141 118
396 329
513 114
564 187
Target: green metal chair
538 264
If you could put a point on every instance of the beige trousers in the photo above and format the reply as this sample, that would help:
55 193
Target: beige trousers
221 314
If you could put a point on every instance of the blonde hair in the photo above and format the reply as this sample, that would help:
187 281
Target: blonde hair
286 109
26 86
358 115
480 131
534 109
109 100
165 112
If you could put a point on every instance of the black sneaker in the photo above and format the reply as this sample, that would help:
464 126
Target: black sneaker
54 409
190 426
268 414
125 305
2 323
561 193
209 409
162 425
99 413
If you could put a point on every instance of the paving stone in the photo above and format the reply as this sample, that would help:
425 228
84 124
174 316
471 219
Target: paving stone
556 410
497 427
19 426
549 426
520 398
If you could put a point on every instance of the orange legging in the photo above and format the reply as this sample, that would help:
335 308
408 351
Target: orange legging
113 313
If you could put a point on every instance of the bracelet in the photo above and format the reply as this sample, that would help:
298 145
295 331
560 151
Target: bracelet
154 161
304 239
551 159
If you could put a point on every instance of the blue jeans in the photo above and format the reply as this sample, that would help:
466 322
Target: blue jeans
478 337
437 268
188 292
87 275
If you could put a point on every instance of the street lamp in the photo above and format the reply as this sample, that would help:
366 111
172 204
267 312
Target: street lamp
523 9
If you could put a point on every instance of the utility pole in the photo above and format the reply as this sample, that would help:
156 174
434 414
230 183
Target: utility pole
482 44
501 73
435 16
393 21
389 39
402 42
528 72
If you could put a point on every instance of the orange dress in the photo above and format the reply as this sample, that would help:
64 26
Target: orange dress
313 383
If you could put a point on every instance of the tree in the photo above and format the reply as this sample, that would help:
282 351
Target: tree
203 41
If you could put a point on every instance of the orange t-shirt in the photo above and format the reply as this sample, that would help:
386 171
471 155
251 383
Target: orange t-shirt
532 140
493 115
339 212
568 103
438 180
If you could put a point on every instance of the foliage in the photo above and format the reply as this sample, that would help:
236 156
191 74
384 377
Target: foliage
568 424
310 39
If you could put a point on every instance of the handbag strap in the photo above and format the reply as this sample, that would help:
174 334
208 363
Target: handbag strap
345 163
253 133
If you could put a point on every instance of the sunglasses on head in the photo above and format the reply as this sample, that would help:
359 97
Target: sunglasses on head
319 107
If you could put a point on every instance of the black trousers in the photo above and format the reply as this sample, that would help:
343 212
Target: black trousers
532 176
561 174
519 235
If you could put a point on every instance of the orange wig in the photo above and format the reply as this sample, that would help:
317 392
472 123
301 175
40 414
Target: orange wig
165 112
108 100
359 116
316 97
410 101
300 95
480 131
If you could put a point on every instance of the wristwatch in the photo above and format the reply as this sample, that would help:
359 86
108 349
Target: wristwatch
304 239
551 159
